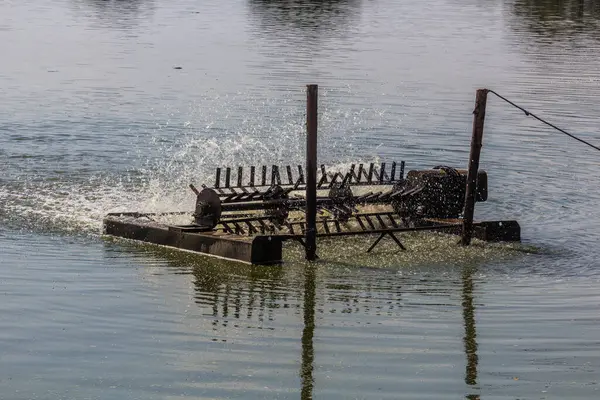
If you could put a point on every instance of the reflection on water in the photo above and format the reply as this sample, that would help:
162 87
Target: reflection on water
551 20
238 299
237 292
398 79
308 355
115 14
470 338
232 292
311 16
304 21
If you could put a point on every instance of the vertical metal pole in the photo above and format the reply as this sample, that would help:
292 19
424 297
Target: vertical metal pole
312 92
476 143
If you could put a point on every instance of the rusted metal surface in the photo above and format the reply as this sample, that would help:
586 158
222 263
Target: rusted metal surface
488 231
260 249
381 236
438 192
250 211
246 180
258 241
312 93
476 143
427 200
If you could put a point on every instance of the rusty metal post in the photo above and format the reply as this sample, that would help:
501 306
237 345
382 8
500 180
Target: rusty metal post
476 143
312 94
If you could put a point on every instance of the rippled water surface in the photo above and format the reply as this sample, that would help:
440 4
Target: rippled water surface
113 105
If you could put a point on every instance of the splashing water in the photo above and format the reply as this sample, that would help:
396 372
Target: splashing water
188 147
162 159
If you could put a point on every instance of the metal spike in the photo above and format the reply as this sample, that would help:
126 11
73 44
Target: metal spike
325 226
297 184
264 176
218 178
227 176
263 226
334 179
338 228
275 178
380 220
196 192
290 228
401 170
252 172
251 228
240 174
347 178
375 175
238 229
392 220
352 173
370 178
393 173
289 174
370 222
382 173
362 225
226 227
323 176
301 174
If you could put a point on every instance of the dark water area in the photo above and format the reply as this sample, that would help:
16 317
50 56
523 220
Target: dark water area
119 105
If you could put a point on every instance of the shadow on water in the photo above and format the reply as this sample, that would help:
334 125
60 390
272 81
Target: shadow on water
547 21
304 21
115 14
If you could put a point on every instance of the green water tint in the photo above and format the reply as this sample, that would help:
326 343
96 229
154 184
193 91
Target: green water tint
421 249
235 292
103 123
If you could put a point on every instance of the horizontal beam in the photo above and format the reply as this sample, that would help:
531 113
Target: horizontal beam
373 231
251 250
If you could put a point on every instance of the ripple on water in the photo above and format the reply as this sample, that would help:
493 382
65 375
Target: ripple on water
104 123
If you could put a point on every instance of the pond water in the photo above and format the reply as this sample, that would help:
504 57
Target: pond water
113 105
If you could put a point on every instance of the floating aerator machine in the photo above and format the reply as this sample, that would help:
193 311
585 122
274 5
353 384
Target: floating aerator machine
249 221
248 213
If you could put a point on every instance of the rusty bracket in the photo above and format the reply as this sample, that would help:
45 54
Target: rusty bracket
391 234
